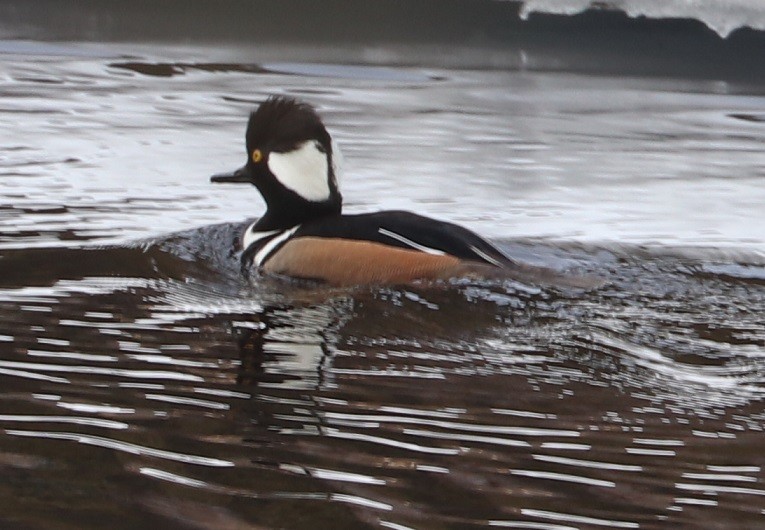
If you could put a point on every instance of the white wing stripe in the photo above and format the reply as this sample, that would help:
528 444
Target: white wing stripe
406 241
485 256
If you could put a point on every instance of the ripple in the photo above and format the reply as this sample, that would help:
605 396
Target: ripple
468 404
379 440
126 447
328 474
466 438
115 372
331 497
32 375
563 477
494 429
182 400
172 477
93 422
720 489
530 525
555 516
587 463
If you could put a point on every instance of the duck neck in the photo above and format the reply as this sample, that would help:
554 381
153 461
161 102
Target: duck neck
287 215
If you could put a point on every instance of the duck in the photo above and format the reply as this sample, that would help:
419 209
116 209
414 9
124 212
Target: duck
295 164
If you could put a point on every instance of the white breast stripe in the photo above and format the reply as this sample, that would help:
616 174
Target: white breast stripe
485 256
269 247
411 243
250 236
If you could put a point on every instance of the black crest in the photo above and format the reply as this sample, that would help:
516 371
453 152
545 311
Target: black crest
281 123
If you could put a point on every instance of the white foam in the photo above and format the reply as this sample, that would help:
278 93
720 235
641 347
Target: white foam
722 16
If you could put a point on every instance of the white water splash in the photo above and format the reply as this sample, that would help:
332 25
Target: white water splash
722 16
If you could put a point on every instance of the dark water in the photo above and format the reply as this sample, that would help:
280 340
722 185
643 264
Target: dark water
145 383
140 388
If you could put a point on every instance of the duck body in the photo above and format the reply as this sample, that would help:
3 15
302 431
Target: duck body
385 247
295 165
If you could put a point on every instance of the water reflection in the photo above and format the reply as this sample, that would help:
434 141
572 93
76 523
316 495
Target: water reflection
461 405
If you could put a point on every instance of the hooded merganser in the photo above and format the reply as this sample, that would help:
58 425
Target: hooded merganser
294 163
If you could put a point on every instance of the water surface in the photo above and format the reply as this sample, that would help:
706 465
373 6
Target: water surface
147 383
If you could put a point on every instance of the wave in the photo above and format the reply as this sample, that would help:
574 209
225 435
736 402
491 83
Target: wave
722 16
705 38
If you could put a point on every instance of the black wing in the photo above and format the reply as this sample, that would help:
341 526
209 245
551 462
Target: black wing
410 231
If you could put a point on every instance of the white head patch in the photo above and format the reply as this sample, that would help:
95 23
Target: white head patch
337 162
304 170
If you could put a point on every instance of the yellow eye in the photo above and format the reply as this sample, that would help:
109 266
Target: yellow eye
257 155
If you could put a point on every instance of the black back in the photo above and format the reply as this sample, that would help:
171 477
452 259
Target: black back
438 235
